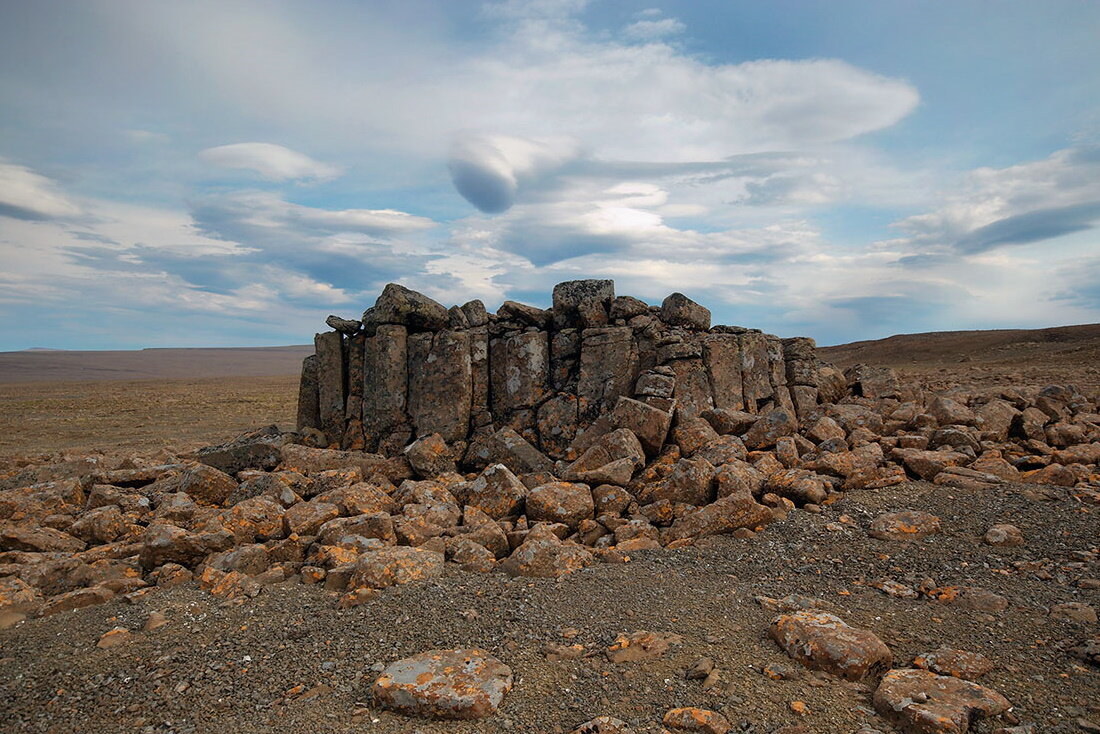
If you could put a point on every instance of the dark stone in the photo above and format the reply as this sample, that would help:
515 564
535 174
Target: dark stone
417 312
679 310
331 383
583 303
309 409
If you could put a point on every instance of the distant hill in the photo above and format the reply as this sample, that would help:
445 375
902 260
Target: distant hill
48 365
1066 345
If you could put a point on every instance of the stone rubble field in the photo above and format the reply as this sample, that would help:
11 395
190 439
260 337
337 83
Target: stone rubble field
879 558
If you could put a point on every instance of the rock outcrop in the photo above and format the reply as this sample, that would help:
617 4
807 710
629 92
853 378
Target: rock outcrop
411 368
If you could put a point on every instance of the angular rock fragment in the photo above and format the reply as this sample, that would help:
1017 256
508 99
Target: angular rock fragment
904 525
444 684
923 702
822 641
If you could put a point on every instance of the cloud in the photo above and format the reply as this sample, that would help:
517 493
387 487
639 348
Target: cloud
648 30
25 194
1022 204
487 169
272 162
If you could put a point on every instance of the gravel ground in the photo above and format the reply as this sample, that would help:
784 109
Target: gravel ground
289 661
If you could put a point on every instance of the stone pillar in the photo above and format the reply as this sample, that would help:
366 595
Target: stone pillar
722 358
519 370
331 383
608 366
756 383
309 409
385 384
440 383
353 407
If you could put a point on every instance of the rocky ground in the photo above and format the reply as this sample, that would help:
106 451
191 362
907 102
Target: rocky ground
276 586
290 660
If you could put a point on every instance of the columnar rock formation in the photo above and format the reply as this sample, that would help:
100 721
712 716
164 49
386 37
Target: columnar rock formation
411 368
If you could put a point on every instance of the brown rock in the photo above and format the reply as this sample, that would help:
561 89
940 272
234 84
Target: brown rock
392 566
722 516
430 456
730 422
585 303
603 724
904 525
399 305
798 485
77 599
543 555
37 540
306 518
1004 536
696 719
925 703
692 434
679 310
649 424
114 638
496 491
952 413
822 641
440 379
927 464
563 502
958 663
170 544
739 477
641 645
444 684
1074 611
769 429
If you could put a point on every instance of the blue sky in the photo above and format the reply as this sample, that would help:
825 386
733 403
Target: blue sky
228 173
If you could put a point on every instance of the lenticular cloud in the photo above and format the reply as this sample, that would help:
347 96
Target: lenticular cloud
488 169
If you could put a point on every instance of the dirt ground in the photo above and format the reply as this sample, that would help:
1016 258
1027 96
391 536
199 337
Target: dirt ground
290 661
214 668
136 416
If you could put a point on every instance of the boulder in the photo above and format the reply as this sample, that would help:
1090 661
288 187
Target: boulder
649 424
444 684
584 303
722 516
560 502
905 525
430 456
921 701
770 428
415 311
544 555
259 449
679 310
496 491
822 641
957 663
392 566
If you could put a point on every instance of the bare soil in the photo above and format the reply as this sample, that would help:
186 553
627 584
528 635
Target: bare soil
289 661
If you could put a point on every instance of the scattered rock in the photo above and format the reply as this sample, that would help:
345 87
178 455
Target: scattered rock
822 641
444 684
921 701
905 525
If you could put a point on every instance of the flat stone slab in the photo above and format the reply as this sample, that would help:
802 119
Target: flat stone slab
444 684
822 641
925 703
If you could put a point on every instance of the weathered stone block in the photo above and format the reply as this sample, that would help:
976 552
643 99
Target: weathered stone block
331 383
722 357
519 368
309 408
440 384
385 383
609 362
583 303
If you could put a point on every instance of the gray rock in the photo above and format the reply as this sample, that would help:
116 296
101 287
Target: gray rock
583 303
444 684
679 310
417 312
344 326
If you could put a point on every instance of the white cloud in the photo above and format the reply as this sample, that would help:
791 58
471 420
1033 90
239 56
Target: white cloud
272 162
25 194
649 30
1020 204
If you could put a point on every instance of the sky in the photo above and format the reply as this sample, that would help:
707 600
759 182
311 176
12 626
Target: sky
228 173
